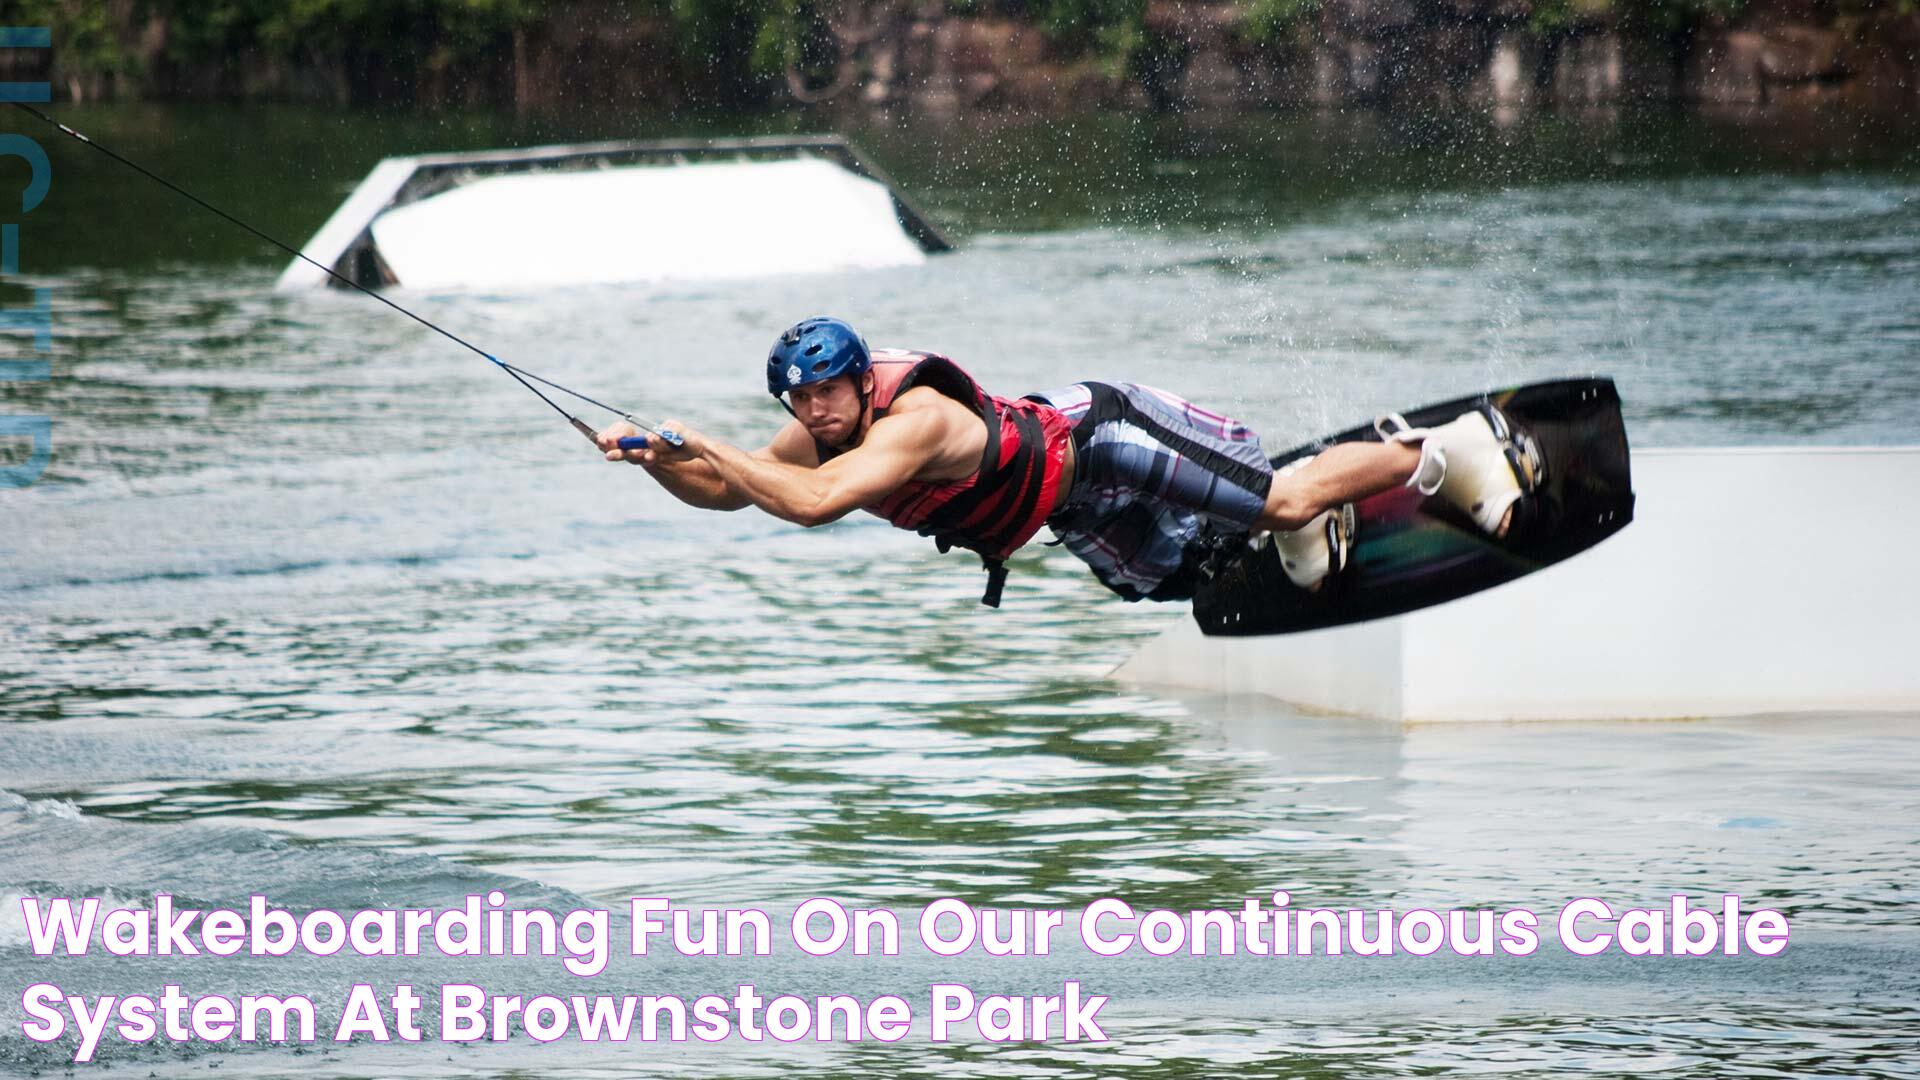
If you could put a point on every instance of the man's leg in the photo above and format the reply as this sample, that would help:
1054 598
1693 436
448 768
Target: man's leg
1466 461
1153 475
1342 473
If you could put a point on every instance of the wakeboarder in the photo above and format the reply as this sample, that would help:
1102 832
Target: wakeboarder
1150 490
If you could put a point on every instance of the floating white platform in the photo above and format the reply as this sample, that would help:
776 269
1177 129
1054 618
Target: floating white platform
1751 581
705 222
617 212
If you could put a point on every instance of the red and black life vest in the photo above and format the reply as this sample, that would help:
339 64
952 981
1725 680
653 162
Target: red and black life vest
1004 502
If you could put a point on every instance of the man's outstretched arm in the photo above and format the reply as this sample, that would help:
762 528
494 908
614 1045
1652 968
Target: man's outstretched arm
696 482
893 452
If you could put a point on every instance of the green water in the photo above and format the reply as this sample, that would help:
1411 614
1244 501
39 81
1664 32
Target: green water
284 168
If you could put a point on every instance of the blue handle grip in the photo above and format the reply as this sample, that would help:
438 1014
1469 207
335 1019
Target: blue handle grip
639 442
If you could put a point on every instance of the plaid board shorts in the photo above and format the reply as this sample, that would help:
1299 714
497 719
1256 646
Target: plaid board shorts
1156 480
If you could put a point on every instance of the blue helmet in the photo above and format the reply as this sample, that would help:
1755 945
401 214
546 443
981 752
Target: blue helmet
815 350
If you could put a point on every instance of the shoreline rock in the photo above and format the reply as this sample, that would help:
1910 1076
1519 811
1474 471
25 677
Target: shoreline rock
1187 55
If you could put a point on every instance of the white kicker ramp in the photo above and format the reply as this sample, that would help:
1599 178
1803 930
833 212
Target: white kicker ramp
1751 581
646 223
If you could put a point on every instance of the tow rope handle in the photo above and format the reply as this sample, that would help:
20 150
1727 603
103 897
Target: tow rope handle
639 442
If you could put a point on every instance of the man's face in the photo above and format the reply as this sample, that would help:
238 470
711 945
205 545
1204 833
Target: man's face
829 410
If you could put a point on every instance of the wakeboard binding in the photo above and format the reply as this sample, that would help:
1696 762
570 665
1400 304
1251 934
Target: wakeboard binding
1479 462
1314 554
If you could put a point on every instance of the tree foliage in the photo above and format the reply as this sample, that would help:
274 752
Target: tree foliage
408 37
89 33
1273 22
731 51
1109 27
1644 16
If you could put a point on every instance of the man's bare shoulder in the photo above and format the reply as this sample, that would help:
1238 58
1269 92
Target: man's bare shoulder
923 399
927 416
947 428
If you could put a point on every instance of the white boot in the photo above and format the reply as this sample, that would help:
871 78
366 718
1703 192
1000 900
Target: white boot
1317 550
1475 461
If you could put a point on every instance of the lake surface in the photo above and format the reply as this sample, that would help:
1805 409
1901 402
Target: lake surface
311 603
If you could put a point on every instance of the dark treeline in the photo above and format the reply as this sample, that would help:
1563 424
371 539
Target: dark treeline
964 53
368 51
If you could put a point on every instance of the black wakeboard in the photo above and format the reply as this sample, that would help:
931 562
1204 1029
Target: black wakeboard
1412 551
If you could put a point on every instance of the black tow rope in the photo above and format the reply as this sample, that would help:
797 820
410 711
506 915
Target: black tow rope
520 375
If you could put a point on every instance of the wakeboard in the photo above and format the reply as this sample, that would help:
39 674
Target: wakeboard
1411 551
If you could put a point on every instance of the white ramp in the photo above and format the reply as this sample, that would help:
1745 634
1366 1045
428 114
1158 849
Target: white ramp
345 225
624 211
1751 581
646 223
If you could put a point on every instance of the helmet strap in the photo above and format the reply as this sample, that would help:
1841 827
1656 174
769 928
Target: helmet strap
860 388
